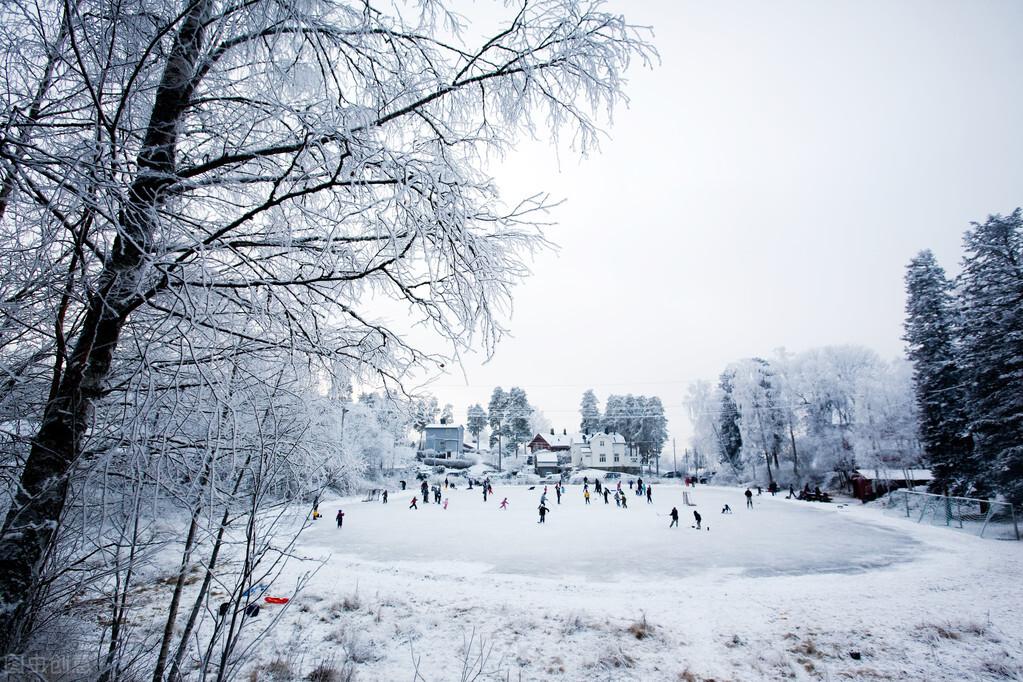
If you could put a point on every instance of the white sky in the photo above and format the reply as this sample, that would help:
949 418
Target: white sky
765 188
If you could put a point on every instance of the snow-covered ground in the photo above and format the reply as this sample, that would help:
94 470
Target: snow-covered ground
788 589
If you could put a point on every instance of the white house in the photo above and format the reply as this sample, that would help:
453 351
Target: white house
606 451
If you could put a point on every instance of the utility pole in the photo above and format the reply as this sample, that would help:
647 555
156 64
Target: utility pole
674 463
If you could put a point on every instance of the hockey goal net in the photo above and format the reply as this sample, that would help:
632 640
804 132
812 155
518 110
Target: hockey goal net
986 518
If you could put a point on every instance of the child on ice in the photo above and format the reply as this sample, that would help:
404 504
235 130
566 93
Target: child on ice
504 503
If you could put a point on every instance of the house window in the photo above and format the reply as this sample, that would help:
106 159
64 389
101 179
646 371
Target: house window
603 457
635 459
601 443
616 457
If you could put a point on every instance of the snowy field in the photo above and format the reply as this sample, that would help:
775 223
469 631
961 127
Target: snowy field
787 590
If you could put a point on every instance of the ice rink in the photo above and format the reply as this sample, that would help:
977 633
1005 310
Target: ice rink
602 541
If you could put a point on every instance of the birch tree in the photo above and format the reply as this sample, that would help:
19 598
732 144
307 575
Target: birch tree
270 171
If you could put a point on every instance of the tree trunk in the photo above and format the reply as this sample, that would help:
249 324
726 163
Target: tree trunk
34 516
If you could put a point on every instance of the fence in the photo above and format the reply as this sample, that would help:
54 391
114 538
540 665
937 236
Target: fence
986 518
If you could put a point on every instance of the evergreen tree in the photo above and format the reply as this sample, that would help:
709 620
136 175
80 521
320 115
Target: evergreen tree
937 379
423 414
497 414
476 421
447 415
729 433
654 431
590 413
520 430
615 415
992 350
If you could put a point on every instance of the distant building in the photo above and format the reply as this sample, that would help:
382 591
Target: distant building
607 451
869 484
546 462
445 440
561 442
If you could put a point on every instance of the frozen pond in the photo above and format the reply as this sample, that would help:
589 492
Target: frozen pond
602 542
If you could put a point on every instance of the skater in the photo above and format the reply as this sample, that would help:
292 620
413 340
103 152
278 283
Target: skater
383 496
596 485
674 518
630 483
773 488
760 491
557 491
445 503
699 519
792 493
484 493
649 495
625 503
726 509
618 499
413 505
543 512
436 494
425 488
340 518
586 496
504 503
606 492
749 498
446 483
402 484
543 497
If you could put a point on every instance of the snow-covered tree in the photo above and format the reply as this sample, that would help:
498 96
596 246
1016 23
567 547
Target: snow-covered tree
930 335
729 433
538 422
654 428
476 421
270 169
447 415
497 414
424 413
991 285
590 412
702 404
518 413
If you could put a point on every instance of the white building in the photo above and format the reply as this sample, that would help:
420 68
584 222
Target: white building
607 451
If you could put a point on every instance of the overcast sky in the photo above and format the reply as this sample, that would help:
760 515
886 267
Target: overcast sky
765 188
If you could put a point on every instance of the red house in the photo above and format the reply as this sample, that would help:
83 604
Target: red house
552 441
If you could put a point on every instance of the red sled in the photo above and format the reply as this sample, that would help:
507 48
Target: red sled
275 600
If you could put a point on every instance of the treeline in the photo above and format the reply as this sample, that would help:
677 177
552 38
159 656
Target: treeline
639 419
806 417
965 339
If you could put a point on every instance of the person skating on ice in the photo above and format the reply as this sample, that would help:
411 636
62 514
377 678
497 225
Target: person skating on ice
543 512
340 518
413 505
749 498
699 519
674 518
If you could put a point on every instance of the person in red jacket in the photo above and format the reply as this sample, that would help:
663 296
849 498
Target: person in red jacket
340 518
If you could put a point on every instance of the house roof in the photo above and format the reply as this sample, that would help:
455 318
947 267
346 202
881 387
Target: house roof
545 457
613 437
896 474
443 426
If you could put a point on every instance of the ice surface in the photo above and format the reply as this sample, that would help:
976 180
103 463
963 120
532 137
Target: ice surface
776 537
